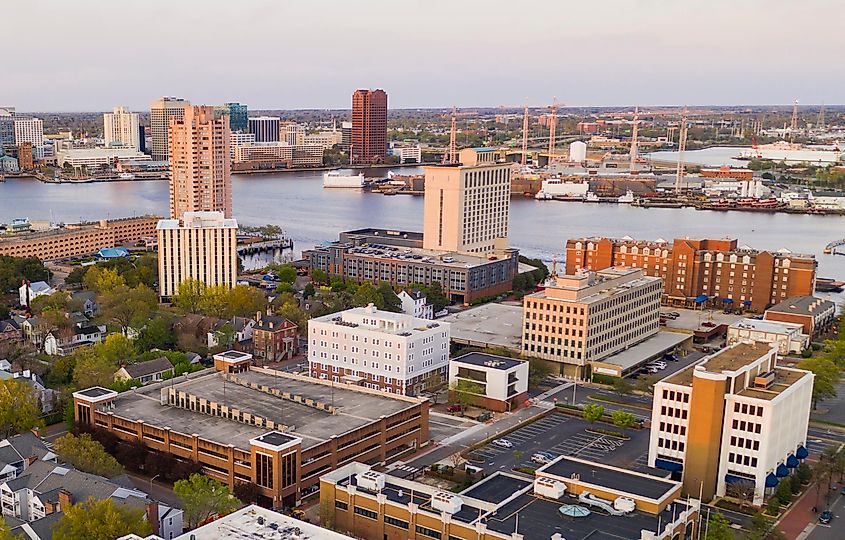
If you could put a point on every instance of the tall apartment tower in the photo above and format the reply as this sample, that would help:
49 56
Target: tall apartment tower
369 126
30 130
200 167
200 246
467 204
161 112
120 129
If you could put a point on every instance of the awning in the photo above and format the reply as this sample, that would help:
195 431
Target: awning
667 465
746 302
802 453
772 480
792 462
781 471
732 479
728 300
701 298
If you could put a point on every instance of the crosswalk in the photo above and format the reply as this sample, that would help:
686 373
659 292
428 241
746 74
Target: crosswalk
405 471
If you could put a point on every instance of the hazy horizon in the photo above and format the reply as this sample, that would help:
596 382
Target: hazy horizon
93 55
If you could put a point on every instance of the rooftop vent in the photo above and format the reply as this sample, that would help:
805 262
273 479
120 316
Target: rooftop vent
446 502
549 487
371 481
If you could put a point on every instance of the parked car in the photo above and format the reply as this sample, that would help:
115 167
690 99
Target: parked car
651 369
671 357
454 408
503 443
540 458
825 517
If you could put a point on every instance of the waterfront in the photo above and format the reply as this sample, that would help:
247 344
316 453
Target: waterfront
312 215
716 156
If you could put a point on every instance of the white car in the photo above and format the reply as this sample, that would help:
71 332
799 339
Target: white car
503 443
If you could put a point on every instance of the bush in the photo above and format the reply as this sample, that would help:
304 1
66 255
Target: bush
784 492
806 353
795 484
773 506
805 473
609 380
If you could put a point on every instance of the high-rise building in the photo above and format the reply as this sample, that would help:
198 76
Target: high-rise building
467 204
265 128
200 246
369 126
200 166
583 318
7 130
142 139
161 111
120 128
25 159
292 133
238 115
345 136
30 130
735 417
713 271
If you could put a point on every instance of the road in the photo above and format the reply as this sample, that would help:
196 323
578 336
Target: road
833 530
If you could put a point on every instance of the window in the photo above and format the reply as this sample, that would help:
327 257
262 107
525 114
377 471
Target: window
425 531
264 470
366 513
341 505
396 522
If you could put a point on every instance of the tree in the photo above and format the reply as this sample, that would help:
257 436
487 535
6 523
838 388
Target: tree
100 520
283 287
290 310
319 276
203 497
102 279
827 377
156 334
773 506
92 369
804 472
465 392
367 294
68 415
719 528
189 295
87 455
13 270
127 308
623 419
246 492
537 371
6 532
517 455
285 273
622 386
390 301
19 408
784 492
213 301
308 291
116 348
645 383
742 490
761 528
593 412
434 294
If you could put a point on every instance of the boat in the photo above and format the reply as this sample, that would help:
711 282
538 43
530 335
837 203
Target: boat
335 179
543 196
126 176
829 285
766 203
592 197
628 198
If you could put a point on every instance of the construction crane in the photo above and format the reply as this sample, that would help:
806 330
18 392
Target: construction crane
552 128
525 135
634 133
682 144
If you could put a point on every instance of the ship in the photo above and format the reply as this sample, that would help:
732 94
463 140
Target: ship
628 198
335 179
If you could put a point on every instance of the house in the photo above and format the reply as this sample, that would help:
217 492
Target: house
145 372
815 314
192 330
274 339
88 299
415 304
10 330
47 397
80 335
19 452
30 291
241 328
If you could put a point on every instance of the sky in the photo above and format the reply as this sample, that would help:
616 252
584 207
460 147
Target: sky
91 55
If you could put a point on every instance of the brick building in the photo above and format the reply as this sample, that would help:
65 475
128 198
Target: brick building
814 314
716 271
369 126
274 339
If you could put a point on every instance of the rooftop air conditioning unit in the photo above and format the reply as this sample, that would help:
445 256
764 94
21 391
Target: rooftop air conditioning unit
371 481
549 487
444 501
764 380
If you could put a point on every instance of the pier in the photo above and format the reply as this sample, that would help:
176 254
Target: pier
265 246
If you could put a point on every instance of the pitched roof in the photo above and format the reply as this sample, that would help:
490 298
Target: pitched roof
802 305
271 323
150 367
85 295
22 446
9 325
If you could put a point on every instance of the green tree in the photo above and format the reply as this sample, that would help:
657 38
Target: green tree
283 287
75 276
92 369
319 276
435 296
538 370
465 392
156 334
290 310
622 386
762 528
367 294
389 299
308 291
102 279
719 528
827 377
116 349
128 308
645 383
189 295
773 506
214 301
285 273
68 417
784 492
13 270
245 301
87 455
203 497
623 419
19 408
804 472
593 412
100 520
6 532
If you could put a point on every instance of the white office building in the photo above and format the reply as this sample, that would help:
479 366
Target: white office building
121 129
292 133
377 349
240 138
161 111
98 157
30 130
789 337
200 246
502 383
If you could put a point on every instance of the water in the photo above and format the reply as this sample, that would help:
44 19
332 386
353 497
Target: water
312 215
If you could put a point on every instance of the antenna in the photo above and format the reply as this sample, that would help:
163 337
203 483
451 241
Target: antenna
552 128
525 133
682 144
634 134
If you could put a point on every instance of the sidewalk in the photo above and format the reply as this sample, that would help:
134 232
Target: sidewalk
799 520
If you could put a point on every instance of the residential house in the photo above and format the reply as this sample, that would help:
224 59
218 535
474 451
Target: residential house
30 291
19 452
415 303
145 372
62 343
88 299
192 330
10 330
241 328
274 339
47 397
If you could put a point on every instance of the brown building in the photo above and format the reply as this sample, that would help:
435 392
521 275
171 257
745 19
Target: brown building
79 238
369 126
278 431
718 269
728 172
200 166
815 314
274 339
25 161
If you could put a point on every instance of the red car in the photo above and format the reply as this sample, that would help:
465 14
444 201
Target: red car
454 408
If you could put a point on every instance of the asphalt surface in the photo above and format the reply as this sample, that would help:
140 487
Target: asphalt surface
833 530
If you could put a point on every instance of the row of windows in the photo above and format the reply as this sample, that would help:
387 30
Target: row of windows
745 408
674 412
677 429
741 459
742 442
670 445
675 396
742 425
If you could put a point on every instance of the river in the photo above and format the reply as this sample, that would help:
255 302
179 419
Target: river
312 215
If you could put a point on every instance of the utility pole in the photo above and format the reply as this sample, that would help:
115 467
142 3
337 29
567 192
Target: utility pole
525 135
682 144
634 133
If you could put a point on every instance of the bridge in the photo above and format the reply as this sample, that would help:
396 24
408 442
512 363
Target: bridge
830 249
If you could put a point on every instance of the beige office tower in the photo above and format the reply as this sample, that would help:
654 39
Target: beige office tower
161 111
200 168
120 129
467 204
200 246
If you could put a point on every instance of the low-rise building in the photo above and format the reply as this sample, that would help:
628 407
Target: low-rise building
789 337
415 303
64 342
814 314
502 382
91 158
734 417
379 349
256 522
569 499
28 292
145 372
10 330
589 316
274 339
281 154
19 452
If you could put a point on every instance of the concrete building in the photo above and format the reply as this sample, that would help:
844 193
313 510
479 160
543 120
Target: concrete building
589 316
735 417
7 129
94 158
345 136
8 164
467 204
200 167
276 430
814 314
239 138
377 349
407 153
79 238
253 521
292 133
30 130
369 126
121 128
503 382
398 257
201 246
161 113
265 128
277 155
788 337
326 139
554 505
719 273
415 303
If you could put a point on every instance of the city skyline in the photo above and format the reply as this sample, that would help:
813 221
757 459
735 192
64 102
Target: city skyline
613 54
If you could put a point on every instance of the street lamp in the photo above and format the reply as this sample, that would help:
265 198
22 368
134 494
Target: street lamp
151 482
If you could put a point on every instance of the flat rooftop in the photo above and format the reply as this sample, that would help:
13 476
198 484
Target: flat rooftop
274 526
488 325
491 361
762 325
652 347
732 358
416 254
640 484
784 378
312 425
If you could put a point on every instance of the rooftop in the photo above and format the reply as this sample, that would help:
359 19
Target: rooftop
732 358
772 327
199 220
611 478
386 322
488 360
260 524
802 305
488 325
150 367
784 378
